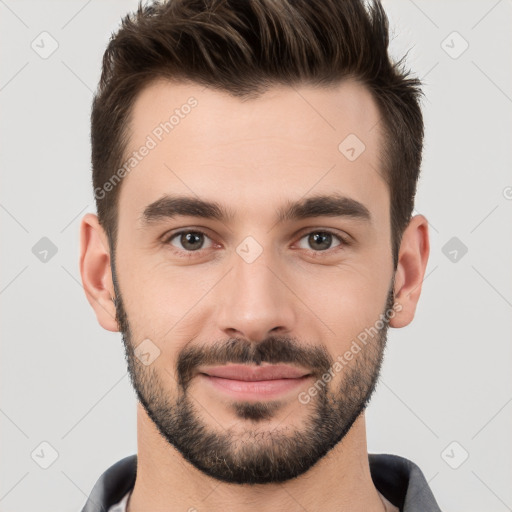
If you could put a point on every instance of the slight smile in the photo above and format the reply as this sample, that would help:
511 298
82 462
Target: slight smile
256 382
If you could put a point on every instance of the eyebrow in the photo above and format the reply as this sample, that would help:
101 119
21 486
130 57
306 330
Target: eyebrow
335 205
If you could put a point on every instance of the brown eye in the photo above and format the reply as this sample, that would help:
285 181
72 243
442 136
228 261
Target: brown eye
188 240
321 240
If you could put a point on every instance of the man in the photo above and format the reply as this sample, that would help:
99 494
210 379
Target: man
255 166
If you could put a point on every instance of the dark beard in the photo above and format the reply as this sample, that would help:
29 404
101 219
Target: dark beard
265 456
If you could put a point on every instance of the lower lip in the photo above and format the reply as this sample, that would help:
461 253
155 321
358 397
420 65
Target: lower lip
262 389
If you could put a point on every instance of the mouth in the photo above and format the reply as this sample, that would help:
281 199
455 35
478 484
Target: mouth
256 382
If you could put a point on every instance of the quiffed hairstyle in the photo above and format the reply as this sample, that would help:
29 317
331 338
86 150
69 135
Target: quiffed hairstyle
245 47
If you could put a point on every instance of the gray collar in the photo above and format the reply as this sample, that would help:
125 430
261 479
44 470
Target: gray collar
398 479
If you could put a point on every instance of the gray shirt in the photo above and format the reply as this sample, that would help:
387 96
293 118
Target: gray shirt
398 479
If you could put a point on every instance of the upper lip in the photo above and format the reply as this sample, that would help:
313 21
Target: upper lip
254 373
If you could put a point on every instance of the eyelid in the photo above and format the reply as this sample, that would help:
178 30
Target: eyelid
344 243
344 238
167 237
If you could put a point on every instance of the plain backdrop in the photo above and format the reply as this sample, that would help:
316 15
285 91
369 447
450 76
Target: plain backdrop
445 396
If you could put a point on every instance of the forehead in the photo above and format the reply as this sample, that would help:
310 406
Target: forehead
279 146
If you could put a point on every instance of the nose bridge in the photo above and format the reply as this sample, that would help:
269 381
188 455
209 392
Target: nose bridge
253 300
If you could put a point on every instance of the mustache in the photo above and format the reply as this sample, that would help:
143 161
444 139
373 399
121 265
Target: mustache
272 350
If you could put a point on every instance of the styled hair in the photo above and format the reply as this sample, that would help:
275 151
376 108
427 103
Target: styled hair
244 47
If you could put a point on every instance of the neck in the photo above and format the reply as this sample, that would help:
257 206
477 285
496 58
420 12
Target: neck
166 481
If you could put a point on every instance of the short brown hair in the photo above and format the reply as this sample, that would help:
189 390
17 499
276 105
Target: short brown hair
244 47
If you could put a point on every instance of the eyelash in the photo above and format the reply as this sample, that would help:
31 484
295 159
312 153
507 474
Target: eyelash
344 242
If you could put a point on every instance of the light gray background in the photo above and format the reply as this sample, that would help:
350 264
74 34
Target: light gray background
447 376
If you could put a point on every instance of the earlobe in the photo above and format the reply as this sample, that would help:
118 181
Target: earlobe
410 272
96 272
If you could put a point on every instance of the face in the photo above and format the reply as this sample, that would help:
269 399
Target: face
253 272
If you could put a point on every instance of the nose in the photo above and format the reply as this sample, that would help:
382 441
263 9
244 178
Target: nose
255 300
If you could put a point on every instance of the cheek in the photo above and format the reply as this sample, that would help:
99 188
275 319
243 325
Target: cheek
162 302
347 300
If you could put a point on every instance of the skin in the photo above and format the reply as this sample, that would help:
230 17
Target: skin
252 157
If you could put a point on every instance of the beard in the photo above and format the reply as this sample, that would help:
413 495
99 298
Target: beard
256 456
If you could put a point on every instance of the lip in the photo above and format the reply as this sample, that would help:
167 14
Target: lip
243 372
246 382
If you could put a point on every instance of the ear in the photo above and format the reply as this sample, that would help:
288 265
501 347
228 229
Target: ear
96 272
410 272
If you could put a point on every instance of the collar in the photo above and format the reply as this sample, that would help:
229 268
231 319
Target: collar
398 479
